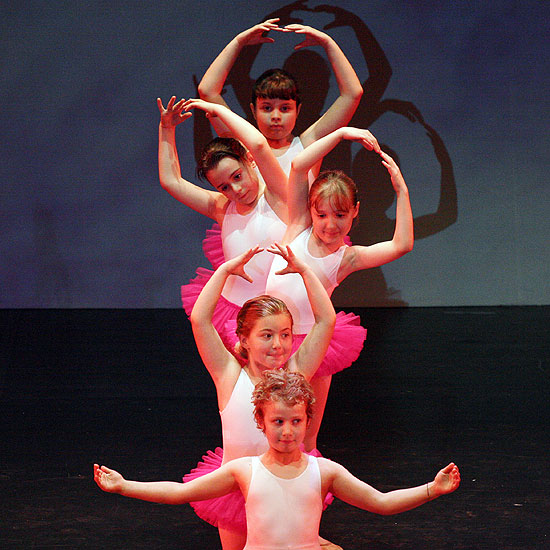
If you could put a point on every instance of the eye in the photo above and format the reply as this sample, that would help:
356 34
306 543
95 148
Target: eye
297 421
224 188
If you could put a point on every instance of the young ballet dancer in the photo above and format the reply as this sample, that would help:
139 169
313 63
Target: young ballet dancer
320 218
275 99
284 487
264 330
249 207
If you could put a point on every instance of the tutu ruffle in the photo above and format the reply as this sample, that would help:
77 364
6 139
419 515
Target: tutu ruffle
344 348
212 246
225 310
228 511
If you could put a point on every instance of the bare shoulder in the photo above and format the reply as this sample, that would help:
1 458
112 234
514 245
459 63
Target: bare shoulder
329 468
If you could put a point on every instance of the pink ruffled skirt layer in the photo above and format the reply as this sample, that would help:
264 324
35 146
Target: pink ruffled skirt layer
347 340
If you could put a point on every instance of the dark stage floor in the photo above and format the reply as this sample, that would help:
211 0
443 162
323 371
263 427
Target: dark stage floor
126 388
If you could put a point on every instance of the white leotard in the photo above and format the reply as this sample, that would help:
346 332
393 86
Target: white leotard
293 150
283 513
290 287
241 436
240 233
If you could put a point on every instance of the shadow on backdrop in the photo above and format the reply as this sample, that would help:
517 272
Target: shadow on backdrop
366 287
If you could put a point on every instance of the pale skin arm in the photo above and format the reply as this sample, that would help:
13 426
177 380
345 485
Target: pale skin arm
348 488
222 365
215 484
208 203
272 173
298 184
211 86
343 108
312 350
363 257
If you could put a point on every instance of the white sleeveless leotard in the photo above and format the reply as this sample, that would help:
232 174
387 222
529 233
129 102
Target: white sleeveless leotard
290 287
241 436
240 233
284 514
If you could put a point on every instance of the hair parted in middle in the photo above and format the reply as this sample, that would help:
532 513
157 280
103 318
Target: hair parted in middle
336 187
276 84
291 388
218 149
251 311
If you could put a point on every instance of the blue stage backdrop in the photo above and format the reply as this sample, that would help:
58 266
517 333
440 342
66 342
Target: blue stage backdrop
456 91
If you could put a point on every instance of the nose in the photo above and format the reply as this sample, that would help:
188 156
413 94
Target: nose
287 429
236 187
275 114
276 342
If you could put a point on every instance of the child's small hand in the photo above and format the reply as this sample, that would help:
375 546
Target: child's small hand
172 115
295 265
256 34
396 177
107 479
211 109
447 480
367 140
236 265
313 37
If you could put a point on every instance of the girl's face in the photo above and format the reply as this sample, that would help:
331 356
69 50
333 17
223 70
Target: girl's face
275 118
284 425
235 180
269 343
331 225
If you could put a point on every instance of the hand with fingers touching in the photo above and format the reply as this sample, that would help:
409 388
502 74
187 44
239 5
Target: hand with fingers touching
313 37
210 109
446 481
173 114
294 264
397 179
236 265
258 33
367 140
108 480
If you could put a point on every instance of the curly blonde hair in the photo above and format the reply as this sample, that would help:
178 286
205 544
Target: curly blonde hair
282 385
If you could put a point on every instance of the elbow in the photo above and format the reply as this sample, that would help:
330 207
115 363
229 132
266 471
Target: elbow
296 166
357 93
204 92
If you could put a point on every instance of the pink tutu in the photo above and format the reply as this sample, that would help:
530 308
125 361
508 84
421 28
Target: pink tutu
225 310
212 246
228 511
343 350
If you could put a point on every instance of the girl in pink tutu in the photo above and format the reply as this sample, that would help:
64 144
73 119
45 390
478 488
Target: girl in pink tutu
249 201
320 218
264 330
283 488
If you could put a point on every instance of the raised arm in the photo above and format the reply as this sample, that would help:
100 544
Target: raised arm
299 216
208 203
348 488
256 143
343 108
364 257
312 350
213 485
222 365
211 86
